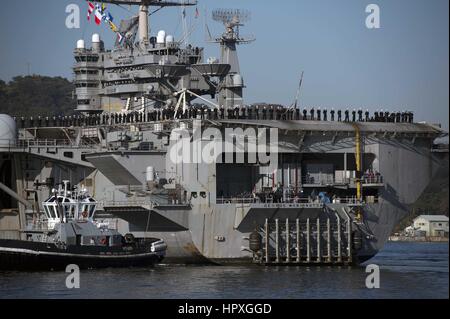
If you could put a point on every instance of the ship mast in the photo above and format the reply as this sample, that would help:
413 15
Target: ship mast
144 10
143 24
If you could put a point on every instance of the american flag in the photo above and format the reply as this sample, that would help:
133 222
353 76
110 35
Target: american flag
91 8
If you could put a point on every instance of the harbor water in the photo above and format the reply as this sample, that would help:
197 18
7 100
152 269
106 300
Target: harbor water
407 270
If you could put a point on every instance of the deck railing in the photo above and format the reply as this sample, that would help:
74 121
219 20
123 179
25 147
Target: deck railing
292 200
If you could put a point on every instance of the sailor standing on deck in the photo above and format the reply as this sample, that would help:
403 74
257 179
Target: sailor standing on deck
271 111
403 118
367 115
347 119
410 117
264 113
311 112
325 114
332 114
305 114
392 117
319 114
339 113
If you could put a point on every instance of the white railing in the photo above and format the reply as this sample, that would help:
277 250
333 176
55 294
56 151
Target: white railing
32 143
376 179
292 200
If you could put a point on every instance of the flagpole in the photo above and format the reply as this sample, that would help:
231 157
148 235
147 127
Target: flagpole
185 28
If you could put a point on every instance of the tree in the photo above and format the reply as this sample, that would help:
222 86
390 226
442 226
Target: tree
37 96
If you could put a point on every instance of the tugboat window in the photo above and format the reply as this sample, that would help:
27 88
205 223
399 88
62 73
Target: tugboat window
91 211
55 211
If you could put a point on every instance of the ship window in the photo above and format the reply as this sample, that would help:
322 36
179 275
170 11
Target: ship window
83 102
51 199
47 213
70 211
52 211
91 211
55 211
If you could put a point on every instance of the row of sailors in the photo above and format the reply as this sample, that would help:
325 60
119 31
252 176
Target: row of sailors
252 113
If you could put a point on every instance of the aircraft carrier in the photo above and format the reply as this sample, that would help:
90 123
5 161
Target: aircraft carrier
337 182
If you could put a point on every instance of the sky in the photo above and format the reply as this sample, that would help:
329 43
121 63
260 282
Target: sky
404 65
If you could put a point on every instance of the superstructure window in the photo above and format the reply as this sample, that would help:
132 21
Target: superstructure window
83 102
86 58
84 84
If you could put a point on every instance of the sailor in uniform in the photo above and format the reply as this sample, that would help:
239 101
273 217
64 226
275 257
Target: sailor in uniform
347 119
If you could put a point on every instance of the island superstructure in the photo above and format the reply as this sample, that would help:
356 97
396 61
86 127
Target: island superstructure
342 180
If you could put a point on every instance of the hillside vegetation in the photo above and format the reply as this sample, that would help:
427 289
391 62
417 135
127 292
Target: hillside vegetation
433 201
37 95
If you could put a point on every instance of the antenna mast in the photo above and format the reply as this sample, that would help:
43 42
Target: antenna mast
298 91
143 11
231 95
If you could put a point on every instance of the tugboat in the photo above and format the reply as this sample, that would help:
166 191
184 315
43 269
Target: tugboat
69 235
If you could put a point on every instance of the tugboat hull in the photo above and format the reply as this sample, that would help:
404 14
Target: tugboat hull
31 256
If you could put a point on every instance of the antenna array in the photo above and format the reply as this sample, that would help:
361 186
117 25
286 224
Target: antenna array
231 16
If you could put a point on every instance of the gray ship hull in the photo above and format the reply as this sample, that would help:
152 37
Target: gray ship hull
214 229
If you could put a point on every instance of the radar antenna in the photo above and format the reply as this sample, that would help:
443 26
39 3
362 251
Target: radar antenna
232 19
231 87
